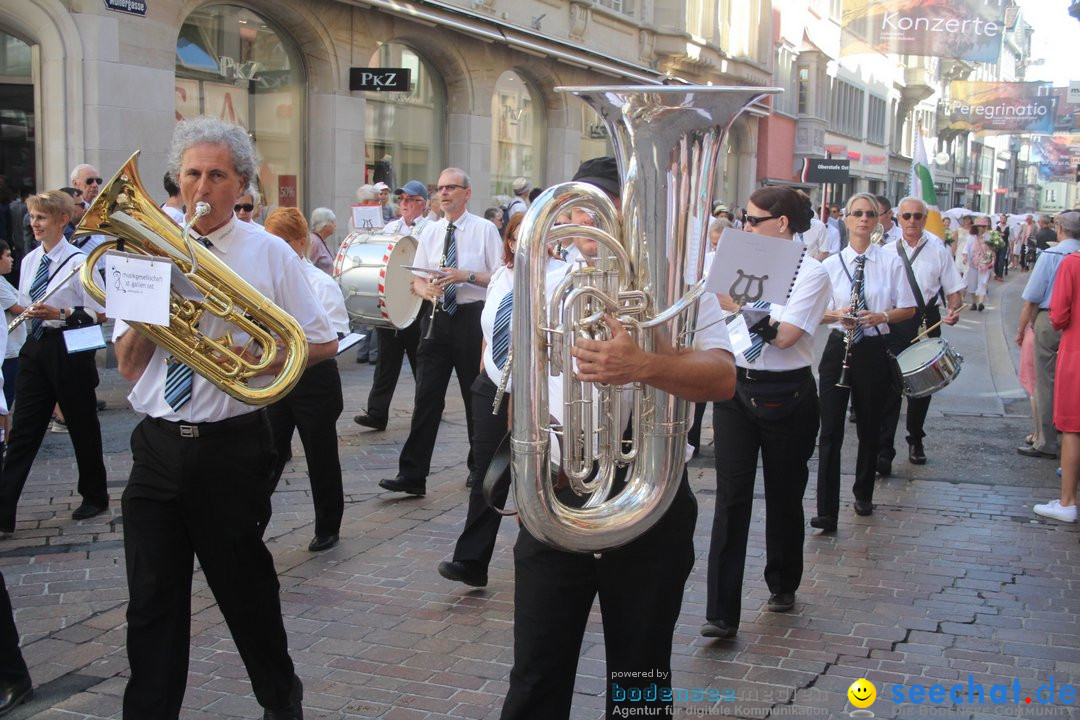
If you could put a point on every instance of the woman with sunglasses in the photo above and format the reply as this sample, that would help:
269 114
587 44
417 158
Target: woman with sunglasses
774 413
861 345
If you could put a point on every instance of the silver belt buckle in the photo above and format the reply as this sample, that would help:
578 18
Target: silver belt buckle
189 431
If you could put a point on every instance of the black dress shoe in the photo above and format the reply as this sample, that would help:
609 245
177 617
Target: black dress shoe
86 511
463 572
916 455
368 421
402 484
471 480
15 694
718 629
884 467
864 507
101 405
322 542
824 523
1034 452
781 602
295 709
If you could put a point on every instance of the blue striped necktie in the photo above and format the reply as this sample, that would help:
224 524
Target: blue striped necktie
37 291
449 302
178 381
757 343
500 343
857 281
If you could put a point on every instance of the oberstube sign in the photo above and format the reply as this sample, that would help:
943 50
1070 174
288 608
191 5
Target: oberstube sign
961 29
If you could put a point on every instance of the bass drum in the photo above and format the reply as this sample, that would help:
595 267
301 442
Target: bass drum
928 366
378 290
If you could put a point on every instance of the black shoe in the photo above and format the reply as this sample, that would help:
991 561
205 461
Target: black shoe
463 572
295 709
864 507
916 455
718 629
884 467
101 405
368 421
851 416
781 602
363 360
981 307
15 694
322 542
974 306
823 523
1030 451
402 484
472 479
86 511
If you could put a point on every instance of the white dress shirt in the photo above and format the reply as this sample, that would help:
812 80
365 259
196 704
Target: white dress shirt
275 270
934 267
328 293
64 258
9 295
479 250
885 283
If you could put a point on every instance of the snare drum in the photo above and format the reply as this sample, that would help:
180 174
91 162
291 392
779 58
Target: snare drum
928 366
378 290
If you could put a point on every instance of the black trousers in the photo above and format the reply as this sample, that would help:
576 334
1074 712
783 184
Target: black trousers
693 438
312 408
394 345
12 666
477 541
49 375
785 446
869 377
455 346
900 339
640 587
206 498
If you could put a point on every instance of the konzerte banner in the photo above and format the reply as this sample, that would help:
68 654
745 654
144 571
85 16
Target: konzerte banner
963 29
1000 108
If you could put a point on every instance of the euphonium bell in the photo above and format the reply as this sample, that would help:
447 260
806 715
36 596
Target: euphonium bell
667 143
125 211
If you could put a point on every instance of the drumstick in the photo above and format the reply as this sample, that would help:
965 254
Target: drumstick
927 330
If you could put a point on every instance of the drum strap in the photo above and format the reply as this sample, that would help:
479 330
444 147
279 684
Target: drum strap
919 302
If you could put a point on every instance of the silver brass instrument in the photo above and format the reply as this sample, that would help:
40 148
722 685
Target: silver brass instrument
647 274
434 308
125 211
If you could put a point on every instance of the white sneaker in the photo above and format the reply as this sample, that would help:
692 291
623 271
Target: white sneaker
1054 509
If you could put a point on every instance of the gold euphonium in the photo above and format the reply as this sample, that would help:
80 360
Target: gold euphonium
125 211
667 142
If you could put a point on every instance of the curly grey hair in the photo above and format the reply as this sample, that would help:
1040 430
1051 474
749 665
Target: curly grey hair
206 130
320 218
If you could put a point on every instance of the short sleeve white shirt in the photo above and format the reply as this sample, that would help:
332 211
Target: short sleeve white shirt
329 295
885 284
64 258
10 296
934 267
479 250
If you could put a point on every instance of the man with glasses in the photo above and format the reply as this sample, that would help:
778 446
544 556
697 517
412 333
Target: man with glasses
395 344
885 217
934 281
248 206
86 179
465 249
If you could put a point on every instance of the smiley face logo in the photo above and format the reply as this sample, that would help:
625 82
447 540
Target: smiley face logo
862 693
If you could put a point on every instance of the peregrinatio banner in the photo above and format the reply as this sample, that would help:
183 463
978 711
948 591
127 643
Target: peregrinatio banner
1000 108
963 29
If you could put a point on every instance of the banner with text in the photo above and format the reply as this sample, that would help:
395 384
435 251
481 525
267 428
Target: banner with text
1066 114
963 29
1057 155
990 108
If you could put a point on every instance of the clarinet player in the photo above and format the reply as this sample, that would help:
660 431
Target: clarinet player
870 284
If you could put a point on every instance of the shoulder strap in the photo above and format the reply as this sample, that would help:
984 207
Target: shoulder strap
919 302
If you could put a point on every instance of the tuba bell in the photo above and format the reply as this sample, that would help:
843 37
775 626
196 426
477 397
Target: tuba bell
123 210
648 274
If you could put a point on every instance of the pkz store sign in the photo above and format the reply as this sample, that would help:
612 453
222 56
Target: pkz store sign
132 7
380 79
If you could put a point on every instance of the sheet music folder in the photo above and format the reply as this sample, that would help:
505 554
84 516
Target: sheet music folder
751 267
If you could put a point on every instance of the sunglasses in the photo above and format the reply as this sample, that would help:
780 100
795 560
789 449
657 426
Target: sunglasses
909 216
860 213
756 220
246 207
93 181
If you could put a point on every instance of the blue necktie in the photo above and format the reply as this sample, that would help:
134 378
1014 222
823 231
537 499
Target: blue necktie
500 343
178 381
37 291
449 302
859 285
757 343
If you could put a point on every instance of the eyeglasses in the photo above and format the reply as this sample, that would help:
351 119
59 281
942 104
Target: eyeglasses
756 220
449 188
860 213
93 181
246 207
909 216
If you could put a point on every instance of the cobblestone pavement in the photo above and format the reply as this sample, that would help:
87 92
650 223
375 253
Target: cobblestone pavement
951 581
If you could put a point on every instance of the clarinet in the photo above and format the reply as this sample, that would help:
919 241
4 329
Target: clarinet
849 336
434 310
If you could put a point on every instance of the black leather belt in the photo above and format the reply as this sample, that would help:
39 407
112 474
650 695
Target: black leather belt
752 375
228 426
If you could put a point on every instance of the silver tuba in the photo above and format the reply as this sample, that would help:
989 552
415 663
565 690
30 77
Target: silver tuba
667 143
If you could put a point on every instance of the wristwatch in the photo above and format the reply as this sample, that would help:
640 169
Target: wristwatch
472 277
63 314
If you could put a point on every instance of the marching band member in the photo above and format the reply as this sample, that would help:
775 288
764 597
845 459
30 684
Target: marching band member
868 282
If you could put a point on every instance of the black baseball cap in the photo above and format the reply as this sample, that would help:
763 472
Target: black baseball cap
602 172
